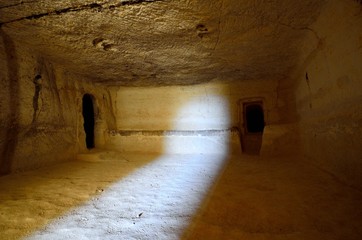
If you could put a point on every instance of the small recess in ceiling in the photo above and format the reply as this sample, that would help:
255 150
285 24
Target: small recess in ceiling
201 30
103 44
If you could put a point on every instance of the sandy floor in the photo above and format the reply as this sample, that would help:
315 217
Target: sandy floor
109 195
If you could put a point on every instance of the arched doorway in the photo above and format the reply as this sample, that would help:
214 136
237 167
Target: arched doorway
88 116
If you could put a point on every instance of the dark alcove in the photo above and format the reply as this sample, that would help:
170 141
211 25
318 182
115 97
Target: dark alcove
253 115
254 118
88 115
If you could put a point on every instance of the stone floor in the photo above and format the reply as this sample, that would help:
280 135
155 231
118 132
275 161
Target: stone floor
111 195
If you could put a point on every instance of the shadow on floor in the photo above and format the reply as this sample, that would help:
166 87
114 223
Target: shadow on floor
280 198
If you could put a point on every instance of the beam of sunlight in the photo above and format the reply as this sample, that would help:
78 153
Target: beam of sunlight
155 202
158 200
202 126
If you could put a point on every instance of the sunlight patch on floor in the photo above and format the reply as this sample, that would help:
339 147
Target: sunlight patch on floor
157 201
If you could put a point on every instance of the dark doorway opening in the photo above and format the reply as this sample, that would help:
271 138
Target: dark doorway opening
88 116
254 118
253 125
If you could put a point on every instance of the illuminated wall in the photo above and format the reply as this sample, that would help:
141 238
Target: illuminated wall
149 117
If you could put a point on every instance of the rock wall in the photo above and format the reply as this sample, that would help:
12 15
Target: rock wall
148 118
328 93
41 109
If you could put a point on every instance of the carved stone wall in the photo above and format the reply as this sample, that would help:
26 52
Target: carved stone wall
328 92
41 109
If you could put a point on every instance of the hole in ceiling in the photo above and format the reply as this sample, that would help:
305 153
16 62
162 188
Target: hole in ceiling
202 30
97 40
107 46
201 27
103 44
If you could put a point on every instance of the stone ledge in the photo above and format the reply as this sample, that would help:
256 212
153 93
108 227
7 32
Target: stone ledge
172 132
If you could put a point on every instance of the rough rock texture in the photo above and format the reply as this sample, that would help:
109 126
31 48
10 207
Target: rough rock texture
164 42
171 77
52 52
328 92
300 57
41 112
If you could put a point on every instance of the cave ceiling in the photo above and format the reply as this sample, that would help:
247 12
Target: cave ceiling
163 42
